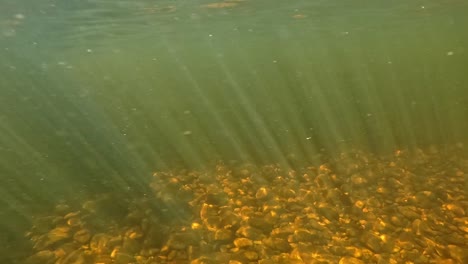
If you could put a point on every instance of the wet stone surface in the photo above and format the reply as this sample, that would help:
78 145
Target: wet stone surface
408 207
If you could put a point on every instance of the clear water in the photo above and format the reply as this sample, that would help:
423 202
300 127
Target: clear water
98 94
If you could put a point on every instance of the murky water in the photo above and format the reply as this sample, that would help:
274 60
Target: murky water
97 95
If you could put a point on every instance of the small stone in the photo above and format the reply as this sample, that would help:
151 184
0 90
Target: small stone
122 258
115 252
281 244
350 260
180 241
329 213
283 231
458 253
103 259
74 221
223 235
135 235
409 212
262 193
357 180
82 236
455 238
455 209
372 242
72 214
249 232
43 256
212 223
172 254
55 235
62 208
242 242
131 245
398 221
251 255
304 235
114 241
261 222
99 243
208 210
229 219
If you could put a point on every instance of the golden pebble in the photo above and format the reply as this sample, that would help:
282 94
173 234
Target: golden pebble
60 252
384 238
356 252
114 252
135 235
74 221
358 179
242 242
359 204
324 168
261 193
350 260
463 228
196 226
72 214
140 259
458 210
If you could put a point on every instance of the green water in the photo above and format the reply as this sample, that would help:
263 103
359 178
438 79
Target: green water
98 94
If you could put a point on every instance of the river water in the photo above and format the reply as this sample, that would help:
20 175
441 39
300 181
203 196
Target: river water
97 95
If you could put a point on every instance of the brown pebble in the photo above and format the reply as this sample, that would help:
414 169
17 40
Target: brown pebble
82 236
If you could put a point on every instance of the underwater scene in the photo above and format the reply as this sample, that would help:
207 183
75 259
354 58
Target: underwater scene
233 131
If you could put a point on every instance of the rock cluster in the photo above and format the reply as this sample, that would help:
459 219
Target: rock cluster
409 207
